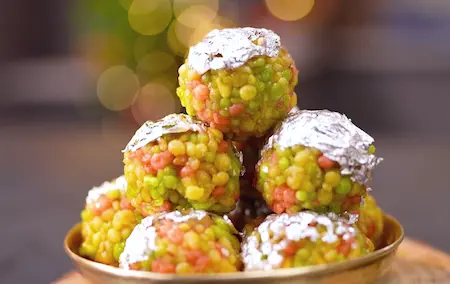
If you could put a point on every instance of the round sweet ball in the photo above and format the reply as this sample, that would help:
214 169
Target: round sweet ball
178 163
106 222
183 242
316 160
302 239
240 81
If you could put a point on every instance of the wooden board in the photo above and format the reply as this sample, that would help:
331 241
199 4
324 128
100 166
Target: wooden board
416 263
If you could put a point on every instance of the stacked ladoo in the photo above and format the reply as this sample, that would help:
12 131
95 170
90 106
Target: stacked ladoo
293 195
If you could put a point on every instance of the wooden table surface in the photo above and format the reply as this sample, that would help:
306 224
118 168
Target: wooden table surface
416 263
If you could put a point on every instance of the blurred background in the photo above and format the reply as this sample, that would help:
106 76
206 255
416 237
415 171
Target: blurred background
78 77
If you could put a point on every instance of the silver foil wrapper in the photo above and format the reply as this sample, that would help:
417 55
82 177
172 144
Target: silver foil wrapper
172 123
140 244
264 248
119 183
142 240
231 48
334 135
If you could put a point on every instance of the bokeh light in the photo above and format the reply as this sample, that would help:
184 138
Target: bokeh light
150 17
153 63
183 33
202 30
143 45
101 51
117 87
169 81
154 102
195 16
175 45
186 36
290 10
224 22
181 5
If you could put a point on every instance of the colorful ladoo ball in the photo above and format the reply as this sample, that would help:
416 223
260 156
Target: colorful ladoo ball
302 239
370 220
316 160
183 242
240 81
180 163
107 220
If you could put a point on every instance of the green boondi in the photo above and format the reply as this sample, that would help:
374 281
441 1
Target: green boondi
302 239
186 242
106 222
242 102
182 170
297 178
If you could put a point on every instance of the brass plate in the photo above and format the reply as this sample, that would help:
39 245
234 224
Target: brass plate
363 270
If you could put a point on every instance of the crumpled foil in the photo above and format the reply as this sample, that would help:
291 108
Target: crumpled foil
140 244
172 123
231 48
119 183
334 135
142 240
266 251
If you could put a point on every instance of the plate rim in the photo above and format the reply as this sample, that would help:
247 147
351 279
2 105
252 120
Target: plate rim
307 271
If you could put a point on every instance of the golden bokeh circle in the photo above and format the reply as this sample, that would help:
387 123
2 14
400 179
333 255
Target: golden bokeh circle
290 10
181 5
154 63
166 80
117 87
224 22
202 30
181 37
150 17
196 16
153 102
177 47
183 33
143 45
